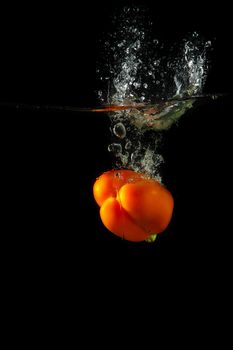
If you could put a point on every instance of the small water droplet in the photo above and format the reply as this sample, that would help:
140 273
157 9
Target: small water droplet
119 130
137 85
208 44
145 85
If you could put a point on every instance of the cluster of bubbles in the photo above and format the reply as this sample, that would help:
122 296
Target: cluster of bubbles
136 70
133 148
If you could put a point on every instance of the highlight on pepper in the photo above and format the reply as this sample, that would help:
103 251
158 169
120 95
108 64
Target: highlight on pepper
132 206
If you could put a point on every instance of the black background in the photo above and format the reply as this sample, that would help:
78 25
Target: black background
53 238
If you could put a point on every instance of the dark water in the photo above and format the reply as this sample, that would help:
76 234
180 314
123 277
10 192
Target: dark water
53 237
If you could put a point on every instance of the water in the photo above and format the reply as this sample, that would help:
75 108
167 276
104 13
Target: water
138 72
119 130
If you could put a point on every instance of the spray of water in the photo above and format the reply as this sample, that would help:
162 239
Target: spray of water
136 71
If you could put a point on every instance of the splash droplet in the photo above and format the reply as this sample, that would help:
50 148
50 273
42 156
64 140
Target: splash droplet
208 44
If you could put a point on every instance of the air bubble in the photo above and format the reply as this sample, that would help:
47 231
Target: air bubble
134 156
137 85
119 130
128 145
115 148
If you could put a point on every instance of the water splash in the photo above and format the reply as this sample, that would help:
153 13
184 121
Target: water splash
137 71
191 66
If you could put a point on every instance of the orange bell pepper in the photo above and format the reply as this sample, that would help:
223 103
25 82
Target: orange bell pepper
132 206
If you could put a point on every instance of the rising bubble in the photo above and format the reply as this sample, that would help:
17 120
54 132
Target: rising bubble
119 130
115 148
